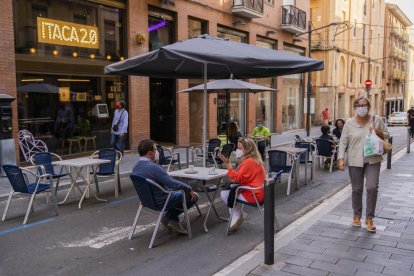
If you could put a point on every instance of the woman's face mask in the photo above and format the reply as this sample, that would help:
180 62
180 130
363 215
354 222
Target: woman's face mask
239 153
361 111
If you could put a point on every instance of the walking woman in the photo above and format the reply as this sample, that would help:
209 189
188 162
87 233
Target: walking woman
360 167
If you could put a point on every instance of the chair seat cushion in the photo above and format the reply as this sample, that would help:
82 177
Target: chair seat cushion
248 203
32 186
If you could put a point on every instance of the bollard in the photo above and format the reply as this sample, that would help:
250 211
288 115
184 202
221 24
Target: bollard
389 155
269 226
408 139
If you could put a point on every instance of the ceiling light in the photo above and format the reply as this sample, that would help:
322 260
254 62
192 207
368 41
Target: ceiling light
32 50
73 80
32 80
92 56
75 54
108 57
55 52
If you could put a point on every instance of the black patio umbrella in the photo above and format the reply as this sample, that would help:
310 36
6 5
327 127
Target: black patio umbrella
38 88
213 58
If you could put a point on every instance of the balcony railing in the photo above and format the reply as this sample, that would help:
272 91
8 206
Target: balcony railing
396 74
248 8
293 19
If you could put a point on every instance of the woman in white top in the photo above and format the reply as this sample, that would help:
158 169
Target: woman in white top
352 140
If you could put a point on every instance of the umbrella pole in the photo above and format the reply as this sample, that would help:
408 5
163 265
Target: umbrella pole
227 113
205 114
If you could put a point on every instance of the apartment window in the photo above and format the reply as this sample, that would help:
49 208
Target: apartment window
365 7
355 27
270 2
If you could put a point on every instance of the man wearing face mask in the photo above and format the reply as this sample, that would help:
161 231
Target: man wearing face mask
146 167
261 134
119 127
360 167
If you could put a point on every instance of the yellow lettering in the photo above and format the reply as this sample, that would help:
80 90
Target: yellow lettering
74 35
64 28
49 29
56 32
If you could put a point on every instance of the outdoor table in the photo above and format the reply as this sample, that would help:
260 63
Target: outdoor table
203 175
79 164
296 152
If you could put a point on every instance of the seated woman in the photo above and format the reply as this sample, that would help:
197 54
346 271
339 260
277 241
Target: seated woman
339 125
250 172
233 134
326 130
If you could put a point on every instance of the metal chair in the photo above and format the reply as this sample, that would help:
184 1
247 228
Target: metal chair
212 148
29 145
45 159
145 189
257 204
310 156
226 151
325 149
20 184
108 169
168 160
282 161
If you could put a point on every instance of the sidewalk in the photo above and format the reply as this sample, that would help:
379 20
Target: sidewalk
323 242
129 160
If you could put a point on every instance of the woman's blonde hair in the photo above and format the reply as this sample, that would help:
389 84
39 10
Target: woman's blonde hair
250 150
356 101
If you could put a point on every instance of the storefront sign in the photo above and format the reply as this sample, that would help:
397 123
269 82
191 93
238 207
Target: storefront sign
66 33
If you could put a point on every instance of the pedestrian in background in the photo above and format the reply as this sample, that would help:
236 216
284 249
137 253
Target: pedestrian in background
119 127
410 115
261 134
325 116
352 140
233 133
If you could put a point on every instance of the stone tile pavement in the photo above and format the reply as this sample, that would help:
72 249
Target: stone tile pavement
323 242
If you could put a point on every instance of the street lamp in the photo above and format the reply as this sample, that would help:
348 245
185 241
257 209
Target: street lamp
309 84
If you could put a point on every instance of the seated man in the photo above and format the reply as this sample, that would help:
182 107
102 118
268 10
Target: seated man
147 167
261 134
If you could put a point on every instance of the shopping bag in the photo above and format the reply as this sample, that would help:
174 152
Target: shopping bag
373 145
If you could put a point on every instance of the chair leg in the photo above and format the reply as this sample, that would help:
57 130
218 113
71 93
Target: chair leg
289 182
154 234
229 223
96 184
198 209
7 205
29 208
330 168
186 216
134 224
118 180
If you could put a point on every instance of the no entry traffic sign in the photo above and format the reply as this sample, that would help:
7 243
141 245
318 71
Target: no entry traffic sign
368 83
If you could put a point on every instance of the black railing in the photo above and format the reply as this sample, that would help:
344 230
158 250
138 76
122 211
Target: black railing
293 16
255 5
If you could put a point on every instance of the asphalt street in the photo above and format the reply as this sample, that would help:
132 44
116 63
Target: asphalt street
92 241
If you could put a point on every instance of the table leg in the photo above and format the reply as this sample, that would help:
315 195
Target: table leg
73 183
306 167
88 185
211 205
187 155
297 171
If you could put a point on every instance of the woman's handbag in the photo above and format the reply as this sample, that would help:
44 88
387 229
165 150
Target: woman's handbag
386 145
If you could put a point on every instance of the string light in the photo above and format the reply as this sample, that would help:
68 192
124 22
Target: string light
121 58
32 50
108 57
55 52
92 56
75 54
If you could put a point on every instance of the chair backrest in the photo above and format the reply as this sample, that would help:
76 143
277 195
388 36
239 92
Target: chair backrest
145 190
29 145
227 150
278 161
305 145
324 147
107 154
44 159
212 144
16 178
162 158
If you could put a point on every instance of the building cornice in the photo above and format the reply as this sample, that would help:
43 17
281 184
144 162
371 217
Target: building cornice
398 13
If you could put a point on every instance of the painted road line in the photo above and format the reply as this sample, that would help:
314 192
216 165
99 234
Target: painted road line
21 227
124 199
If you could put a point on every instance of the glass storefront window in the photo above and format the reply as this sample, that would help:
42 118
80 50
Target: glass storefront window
107 44
237 112
264 100
292 96
91 100
196 27
161 28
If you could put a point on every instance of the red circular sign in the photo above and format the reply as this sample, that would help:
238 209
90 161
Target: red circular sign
368 83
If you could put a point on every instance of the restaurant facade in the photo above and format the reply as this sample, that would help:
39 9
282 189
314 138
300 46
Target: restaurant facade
53 55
